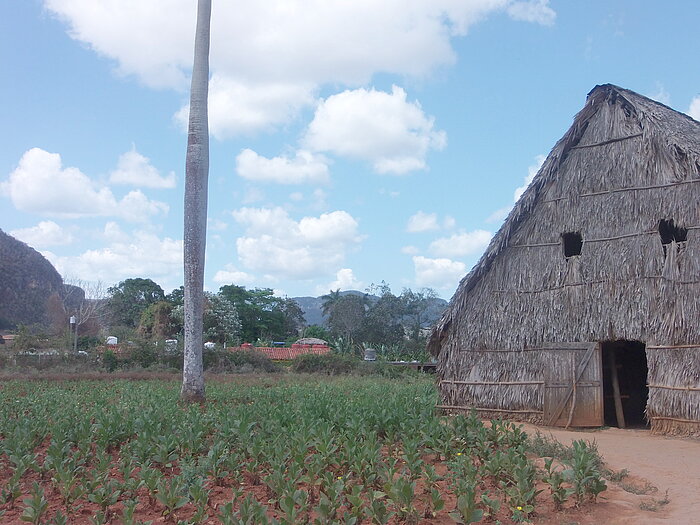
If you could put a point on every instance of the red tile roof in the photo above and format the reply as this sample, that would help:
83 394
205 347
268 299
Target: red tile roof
284 354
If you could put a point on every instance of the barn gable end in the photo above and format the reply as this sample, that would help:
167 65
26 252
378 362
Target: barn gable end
588 255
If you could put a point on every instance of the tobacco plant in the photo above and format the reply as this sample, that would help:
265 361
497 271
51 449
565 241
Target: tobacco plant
585 474
35 506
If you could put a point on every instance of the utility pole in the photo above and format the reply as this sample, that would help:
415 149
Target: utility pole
74 326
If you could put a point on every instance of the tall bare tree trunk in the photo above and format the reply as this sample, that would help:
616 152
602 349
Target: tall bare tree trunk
196 180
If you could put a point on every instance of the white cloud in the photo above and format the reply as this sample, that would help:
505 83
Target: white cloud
43 235
41 185
438 273
135 206
319 199
694 109
383 128
231 275
422 222
410 250
537 11
460 244
136 170
122 30
259 79
113 233
344 280
237 107
277 245
531 172
305 167
137 254
334 42
499 215
660 95
253 195
391 193
216 225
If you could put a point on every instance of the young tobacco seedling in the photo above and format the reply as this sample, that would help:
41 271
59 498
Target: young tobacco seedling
492 505
402 493
172 495
435 504
466 511
35 506
58 519
585 475
555 479
11 491
105 495
521 492
294 505
377 510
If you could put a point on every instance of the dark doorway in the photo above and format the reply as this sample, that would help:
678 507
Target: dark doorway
630 366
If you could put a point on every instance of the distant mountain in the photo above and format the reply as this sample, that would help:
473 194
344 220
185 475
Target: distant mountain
27 280
313 308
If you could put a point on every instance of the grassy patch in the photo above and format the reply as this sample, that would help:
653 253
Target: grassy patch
653 504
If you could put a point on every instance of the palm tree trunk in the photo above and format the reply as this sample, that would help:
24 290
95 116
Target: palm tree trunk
196 180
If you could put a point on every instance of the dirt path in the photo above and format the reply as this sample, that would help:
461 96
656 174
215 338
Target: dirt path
666 463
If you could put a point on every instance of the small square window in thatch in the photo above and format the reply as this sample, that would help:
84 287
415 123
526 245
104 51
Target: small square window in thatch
572 242
669 233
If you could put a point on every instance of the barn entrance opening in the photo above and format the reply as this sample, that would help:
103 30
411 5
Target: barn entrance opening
625 390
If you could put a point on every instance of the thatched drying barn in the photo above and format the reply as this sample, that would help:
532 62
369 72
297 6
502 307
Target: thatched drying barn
585 308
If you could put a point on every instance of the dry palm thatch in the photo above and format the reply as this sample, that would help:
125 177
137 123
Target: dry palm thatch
626 168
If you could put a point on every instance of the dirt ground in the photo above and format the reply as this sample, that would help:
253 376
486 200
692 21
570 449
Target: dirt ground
656 464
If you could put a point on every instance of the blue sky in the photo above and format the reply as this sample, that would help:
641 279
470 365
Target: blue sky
352 142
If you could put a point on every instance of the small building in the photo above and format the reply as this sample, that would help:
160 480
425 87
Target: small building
311 341
7 340
584 309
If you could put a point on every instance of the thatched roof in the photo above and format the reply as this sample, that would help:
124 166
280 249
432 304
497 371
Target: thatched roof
639 134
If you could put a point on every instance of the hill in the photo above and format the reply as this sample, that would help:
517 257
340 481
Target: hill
27 280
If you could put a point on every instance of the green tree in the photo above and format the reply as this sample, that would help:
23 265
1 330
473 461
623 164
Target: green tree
263 315
157 321
292 317
347 317
416 308
176 297
384 317
319 332
221 322
196 194
130 298
329 302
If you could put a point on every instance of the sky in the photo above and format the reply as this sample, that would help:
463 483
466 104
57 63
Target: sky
351 142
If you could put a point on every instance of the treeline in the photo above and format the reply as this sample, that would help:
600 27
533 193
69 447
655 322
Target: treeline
140 310
382 319
231 316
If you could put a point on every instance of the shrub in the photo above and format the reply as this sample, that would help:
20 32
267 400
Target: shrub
110 361
223 361
384 369
28 338
144 355
87 342
331 364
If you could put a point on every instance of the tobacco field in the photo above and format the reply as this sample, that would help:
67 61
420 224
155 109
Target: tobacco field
289 450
